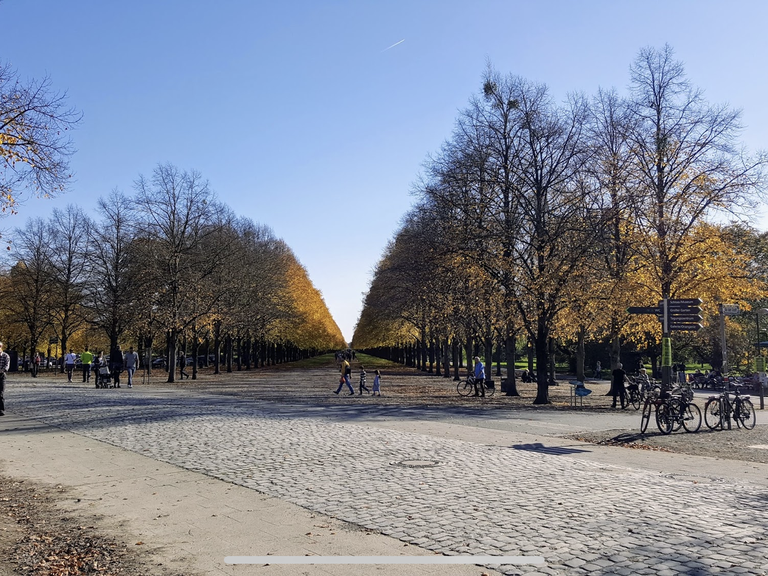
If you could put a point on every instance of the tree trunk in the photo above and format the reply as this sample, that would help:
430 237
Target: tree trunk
170 339
195 352
541 345
580 354
510 345
431 356
552 370
217 347
228 352
446 358
531 353
615 353
456 351
468 348
488 353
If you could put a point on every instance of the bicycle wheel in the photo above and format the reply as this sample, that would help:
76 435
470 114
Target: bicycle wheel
489 390
664 419
634 399
691 417
646 417
675 413
465 388
746 414
712 414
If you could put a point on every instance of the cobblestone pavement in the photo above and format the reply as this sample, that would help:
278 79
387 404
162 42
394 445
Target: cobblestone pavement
445 495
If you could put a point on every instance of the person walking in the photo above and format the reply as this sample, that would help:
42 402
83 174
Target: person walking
131 364
598 370
69 364
362 381
345 370
86 358
618 386
376 384
5 362
182 362
479 377
96 365
116 364
36 364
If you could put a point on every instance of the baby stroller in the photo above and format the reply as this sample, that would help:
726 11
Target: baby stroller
103 377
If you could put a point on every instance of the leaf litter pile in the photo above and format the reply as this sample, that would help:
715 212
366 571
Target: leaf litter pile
40 538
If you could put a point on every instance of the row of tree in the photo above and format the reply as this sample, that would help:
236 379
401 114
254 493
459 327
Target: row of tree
547 220
169 267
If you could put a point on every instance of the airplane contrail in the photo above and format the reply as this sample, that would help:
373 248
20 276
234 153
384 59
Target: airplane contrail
393 45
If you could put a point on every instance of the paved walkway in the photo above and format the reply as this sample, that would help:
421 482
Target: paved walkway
428 488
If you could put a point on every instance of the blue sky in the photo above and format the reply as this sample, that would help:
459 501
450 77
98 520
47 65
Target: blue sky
303 120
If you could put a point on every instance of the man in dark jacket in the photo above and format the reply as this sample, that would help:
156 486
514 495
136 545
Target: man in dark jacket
618 386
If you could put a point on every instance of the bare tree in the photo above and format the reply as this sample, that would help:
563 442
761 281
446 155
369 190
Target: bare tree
30 289
612 259
112 274
180 219
69 231
34 138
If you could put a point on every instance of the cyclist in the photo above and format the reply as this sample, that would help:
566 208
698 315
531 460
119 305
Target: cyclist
479 377
645 382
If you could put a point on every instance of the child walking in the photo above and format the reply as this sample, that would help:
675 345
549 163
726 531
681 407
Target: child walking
377 383
362 381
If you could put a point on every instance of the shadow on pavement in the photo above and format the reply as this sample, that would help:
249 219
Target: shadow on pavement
553 450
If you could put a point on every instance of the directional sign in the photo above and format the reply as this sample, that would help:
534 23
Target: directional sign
682 304
683 327
685 301
685 318
643 310
730 309
684 309
683 315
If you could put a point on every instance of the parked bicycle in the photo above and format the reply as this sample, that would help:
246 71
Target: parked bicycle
467 387
652 402
729 405
673 411
683 413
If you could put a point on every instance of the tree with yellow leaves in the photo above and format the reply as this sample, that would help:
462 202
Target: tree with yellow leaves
687 165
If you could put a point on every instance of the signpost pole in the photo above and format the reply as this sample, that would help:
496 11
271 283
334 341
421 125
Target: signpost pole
666 347
723 347
724 350
761 376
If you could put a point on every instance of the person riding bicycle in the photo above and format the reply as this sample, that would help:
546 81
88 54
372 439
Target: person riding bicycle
479 377
644 381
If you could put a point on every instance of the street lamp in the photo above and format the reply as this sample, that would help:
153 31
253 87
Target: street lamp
759 345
